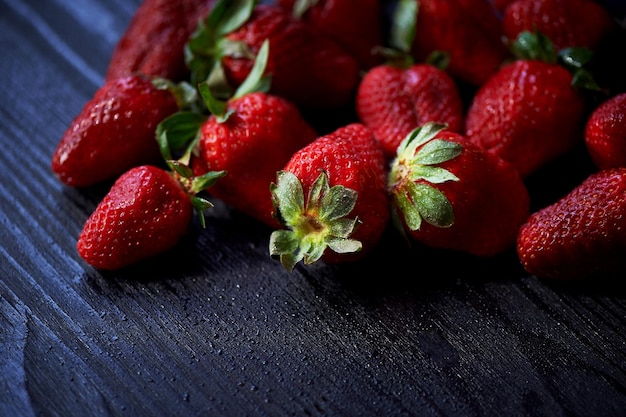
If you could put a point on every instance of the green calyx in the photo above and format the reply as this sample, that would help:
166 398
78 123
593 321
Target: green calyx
413 173
537 46
208 44
314 225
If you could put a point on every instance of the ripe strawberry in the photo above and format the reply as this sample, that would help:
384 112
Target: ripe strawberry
581 235
254 142
399 95
114 131
146 212
307 67
528 113
154 41
251 135
331 198
468 30
450 194
567 23
605 133
354 24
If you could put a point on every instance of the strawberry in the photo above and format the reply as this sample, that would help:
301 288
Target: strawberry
145 213
307 67
605 133
354 24
567 23
251 136
342 174
529 112
114 131
448 193
154 41
582 234
468 30
394 98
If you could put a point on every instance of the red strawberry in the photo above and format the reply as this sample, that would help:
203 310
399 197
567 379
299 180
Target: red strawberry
468 30
354 24
528 113
396 97
581 235
605 133
146 212
154 41
114 131
567 23
307 67
392 101
450 194
331 198
255 141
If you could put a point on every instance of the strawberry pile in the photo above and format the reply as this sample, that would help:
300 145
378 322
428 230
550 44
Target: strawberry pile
451 108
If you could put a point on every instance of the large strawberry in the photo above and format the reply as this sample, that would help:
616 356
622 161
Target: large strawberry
354 24
331 199
568 23
145 213
605 133
468 30
582 234
307 67
447 193
114 131
532 110
397 96
154 41
251 136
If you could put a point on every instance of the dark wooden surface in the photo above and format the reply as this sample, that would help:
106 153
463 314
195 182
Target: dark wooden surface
217 328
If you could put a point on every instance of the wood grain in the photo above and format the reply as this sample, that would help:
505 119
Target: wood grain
217 328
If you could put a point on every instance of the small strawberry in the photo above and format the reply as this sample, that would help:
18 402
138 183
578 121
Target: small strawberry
396 97
567 23
114 131
331 198
605 133
307 67
468 30
532 110
354 24
145 213
582 234
251 136
447 193
154 41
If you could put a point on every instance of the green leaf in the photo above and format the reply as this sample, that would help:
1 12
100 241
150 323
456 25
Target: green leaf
343 228
410 213
300 7
206 180
437 151
402 32
217 107
289 194
432 174
178 131
344 245
180 168
433 206
534 45
255 79
338 202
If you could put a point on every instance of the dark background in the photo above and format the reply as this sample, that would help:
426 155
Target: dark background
216 327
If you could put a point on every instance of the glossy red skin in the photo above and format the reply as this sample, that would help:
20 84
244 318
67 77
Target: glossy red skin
351 157
252 145
114 131
354 24
605 133
144 214
308 68
469 30
490 201
582 235
528 114
153 43
568 23
392 102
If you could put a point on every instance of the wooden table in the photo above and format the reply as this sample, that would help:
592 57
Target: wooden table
218 328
